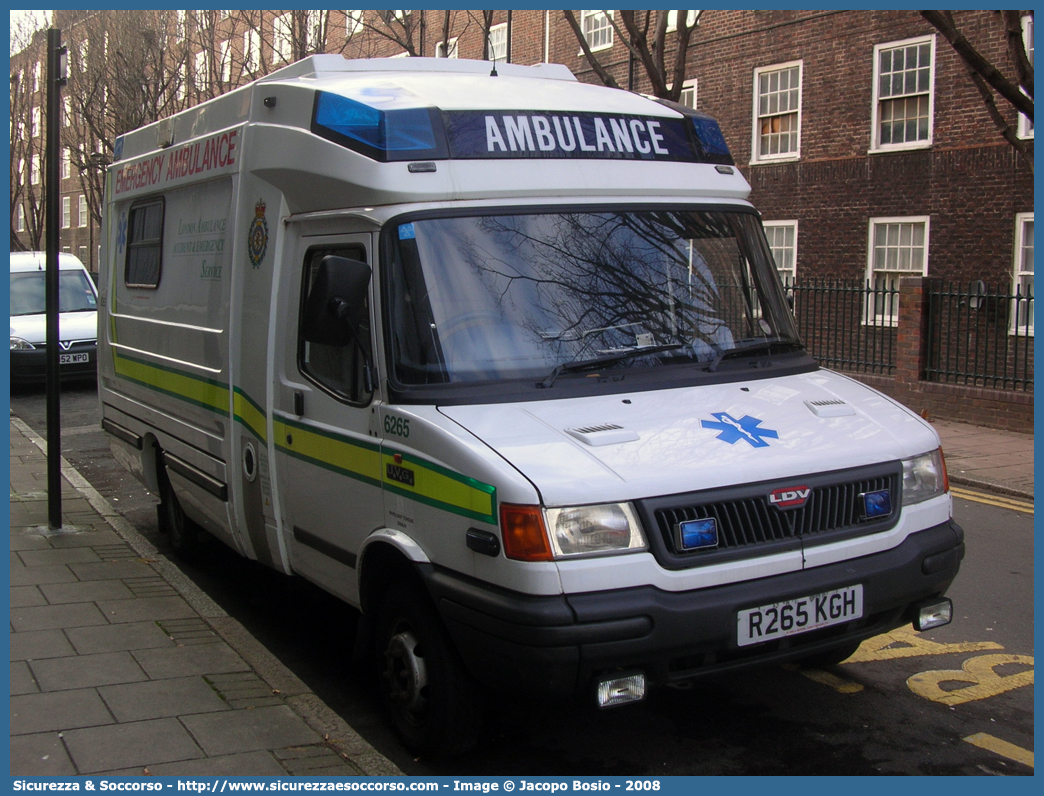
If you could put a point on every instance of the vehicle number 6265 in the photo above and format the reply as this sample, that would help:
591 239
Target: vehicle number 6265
397 426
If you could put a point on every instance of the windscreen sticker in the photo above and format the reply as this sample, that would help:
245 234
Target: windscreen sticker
746 429
406 232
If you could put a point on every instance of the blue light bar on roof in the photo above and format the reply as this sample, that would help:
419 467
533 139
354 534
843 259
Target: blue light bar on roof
711 140
384 134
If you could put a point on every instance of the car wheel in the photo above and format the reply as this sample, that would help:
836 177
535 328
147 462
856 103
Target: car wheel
182 533
430 699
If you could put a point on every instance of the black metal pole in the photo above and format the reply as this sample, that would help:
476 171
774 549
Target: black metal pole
55 79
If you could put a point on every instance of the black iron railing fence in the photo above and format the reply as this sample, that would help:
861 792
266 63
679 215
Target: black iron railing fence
980 335
848 324
977 335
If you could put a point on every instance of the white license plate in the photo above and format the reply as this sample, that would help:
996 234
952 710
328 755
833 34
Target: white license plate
768 622
73 359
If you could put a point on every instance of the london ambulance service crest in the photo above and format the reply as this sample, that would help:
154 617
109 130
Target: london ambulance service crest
257 241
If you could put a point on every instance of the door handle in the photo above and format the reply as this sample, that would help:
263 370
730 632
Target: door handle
298 403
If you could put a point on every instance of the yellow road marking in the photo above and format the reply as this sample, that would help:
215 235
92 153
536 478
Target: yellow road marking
993 500
907 643
839 684
1002 748
980 672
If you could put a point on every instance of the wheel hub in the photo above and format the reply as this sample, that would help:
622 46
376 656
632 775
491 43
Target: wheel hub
406 673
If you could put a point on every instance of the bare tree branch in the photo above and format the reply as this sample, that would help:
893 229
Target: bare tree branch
606 78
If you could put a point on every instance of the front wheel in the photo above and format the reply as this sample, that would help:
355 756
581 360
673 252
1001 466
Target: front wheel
431 700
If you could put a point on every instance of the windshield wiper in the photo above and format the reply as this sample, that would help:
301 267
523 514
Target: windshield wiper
753 346
595 362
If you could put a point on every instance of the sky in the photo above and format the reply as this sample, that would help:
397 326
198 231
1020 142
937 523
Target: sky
18 18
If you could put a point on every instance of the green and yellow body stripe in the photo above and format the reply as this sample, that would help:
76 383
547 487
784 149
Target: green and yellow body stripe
433 485
364 461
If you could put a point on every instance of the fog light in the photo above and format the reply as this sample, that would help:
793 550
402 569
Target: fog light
621 690
934 614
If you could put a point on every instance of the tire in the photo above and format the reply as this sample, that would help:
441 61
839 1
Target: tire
832 657
431 701
182 533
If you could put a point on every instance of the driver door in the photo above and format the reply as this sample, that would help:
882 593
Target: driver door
326 430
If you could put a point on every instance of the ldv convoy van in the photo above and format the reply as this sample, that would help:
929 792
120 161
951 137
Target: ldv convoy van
502 360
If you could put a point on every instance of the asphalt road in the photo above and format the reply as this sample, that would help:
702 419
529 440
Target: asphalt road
957 700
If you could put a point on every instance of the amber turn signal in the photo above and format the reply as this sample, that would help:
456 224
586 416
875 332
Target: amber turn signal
525 538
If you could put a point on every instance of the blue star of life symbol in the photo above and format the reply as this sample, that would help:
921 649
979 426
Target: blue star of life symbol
121 237
746 429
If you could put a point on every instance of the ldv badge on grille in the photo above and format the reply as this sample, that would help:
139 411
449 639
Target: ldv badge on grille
790 497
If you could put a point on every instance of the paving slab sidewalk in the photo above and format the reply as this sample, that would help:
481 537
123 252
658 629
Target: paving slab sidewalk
986 458
121 666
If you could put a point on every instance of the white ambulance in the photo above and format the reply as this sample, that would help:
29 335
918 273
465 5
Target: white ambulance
502 360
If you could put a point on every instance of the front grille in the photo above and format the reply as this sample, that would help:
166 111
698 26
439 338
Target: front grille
748 524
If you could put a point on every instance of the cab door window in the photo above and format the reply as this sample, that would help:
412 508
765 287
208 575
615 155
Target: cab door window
340 371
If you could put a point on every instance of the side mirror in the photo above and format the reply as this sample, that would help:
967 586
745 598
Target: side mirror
336 305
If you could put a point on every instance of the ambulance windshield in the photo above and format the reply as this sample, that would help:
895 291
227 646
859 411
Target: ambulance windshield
535 296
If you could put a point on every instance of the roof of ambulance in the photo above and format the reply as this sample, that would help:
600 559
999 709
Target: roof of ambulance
451 84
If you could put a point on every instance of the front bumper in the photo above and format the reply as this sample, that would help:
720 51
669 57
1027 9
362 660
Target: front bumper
556 646
30 366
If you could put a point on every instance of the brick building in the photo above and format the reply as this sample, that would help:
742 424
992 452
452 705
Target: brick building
869 149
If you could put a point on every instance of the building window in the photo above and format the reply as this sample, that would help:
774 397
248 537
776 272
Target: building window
1025 125
672 20
34 169
252 51
777 112
598 30
352 22
1022 317
200 72
83 257
688 94
440 49
35 120
904 74
782 240
81 217
498 42
20 223
66 163
225 54
66 212
144 245
283 37
898 247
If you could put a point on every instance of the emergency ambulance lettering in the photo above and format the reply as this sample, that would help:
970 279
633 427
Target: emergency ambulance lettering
602 136
519 135
542 127
623 138
141 175
561 140
586 147
493 135
654 135
638 129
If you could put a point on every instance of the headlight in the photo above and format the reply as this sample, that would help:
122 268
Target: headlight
924 477
587 530
18 344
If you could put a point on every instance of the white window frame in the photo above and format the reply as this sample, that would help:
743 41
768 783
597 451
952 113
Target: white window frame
225 64
781 270
690 85
200 72
498 42
353 21
35 170
252 50
82 255
66 212
81 211
1025 125
283 38
1022 242
691 18
755 150
875 111
440 49
585 19
892 318
20 222
66 163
